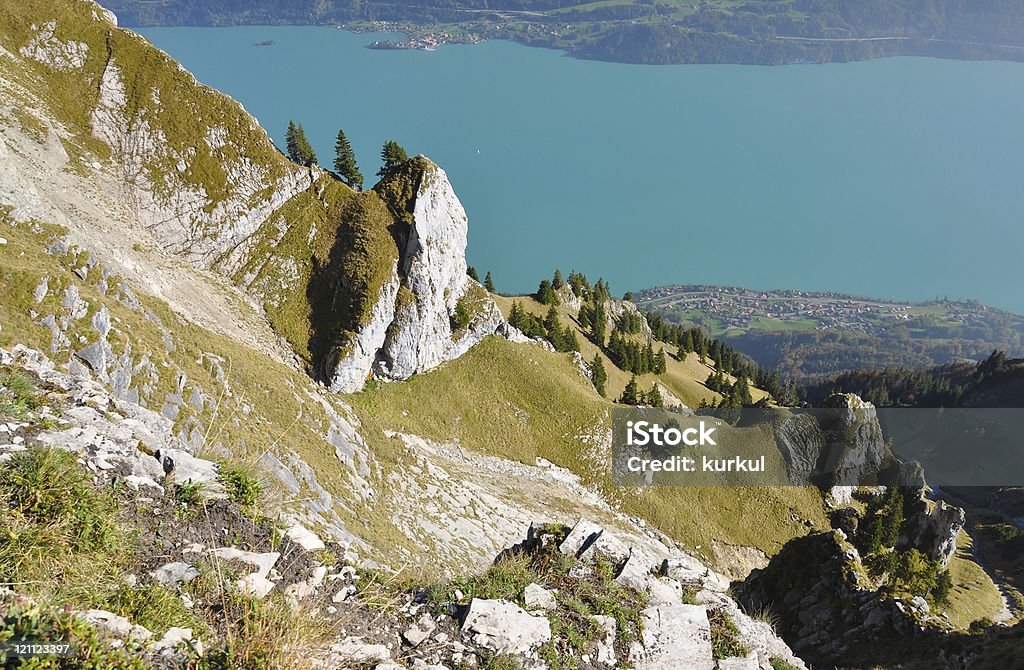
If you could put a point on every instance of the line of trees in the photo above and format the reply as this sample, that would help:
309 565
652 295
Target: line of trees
630 354
632 395
346 168
728 360
562 338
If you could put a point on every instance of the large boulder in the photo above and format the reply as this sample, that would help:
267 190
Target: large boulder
675 636
504 627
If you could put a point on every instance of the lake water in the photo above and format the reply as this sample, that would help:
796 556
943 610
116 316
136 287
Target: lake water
897 178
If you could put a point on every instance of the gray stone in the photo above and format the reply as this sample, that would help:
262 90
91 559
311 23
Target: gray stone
537 597
94 356
748 663
255 585
503 627
117 625
606 644
179 637
183 467
676 636
415 635
587 540
172 574
687 569
305 538
636 574
356 650
263 563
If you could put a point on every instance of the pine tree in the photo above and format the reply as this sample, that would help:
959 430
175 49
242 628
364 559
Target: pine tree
629 394
391 155
553 327
557 282
303 150
489 283
569 340
546 293
660 363
685 345
471 271
515 315
292 142
598 324
653 397
345 162
598 373
742 392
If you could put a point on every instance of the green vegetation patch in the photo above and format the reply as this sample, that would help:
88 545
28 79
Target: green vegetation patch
18 394
242 484
40 624
58 533
347 283
582 591
725 636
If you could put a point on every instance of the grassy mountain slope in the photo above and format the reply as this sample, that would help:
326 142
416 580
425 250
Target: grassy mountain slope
684 379
520 402
161 166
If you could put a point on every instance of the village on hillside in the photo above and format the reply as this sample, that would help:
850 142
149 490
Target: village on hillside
723 308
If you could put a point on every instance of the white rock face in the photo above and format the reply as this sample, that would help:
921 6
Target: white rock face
676 636
504 627
46 48
351 373
404 337
182 216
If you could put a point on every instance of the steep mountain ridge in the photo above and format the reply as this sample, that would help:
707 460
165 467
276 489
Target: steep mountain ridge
186 172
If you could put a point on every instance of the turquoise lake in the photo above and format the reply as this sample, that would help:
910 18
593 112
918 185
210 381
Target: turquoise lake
896 178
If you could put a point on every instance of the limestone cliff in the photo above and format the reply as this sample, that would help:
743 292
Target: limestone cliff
841 445
415 322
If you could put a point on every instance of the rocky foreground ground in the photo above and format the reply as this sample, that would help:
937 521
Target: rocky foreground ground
578 596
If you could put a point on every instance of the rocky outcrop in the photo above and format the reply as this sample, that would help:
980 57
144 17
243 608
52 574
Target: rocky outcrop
202 195
840 445
817 590
429 311
932 528
680 593
189 174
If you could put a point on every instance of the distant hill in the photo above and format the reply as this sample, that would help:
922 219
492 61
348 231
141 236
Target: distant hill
650 31
805 334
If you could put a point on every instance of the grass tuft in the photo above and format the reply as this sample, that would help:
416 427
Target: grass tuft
18 395
725 636
242 485
59 534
